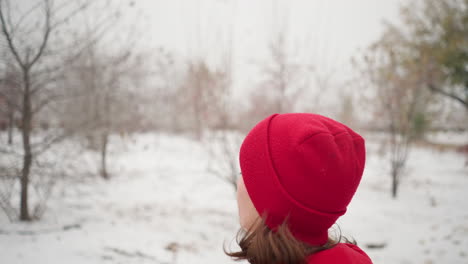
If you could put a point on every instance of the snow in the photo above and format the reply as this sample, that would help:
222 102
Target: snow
162 206
427 223
448 137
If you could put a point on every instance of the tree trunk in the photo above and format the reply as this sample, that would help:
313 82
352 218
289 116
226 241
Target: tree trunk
395 172
27 156
11 124
394 186
105 139
198 121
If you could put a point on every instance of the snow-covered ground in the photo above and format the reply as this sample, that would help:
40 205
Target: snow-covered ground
162 206
427 223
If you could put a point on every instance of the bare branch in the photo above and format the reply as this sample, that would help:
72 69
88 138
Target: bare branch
47 143
46 34
43 103
8 37
69 15
23 17
448 94
10 102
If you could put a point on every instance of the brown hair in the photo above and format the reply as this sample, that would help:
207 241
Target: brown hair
261 245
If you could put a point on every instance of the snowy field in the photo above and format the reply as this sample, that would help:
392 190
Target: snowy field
162 206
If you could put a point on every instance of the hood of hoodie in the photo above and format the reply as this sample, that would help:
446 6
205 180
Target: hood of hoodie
343 253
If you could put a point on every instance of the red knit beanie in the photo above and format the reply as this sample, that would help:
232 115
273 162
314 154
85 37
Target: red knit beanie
303 167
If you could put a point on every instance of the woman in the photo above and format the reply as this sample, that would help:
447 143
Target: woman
299 173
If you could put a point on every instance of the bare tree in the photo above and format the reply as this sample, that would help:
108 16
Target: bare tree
281 85
164 94
225 140
26 63
35 37
399 98
103 104
201 89
207 94
10 92
223 147
286 77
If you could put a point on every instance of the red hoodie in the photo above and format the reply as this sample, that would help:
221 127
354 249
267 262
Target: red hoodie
343 253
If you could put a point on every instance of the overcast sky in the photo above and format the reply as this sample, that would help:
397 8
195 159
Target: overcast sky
325 33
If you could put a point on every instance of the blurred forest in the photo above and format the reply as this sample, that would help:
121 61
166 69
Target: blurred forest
121 121
75 70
